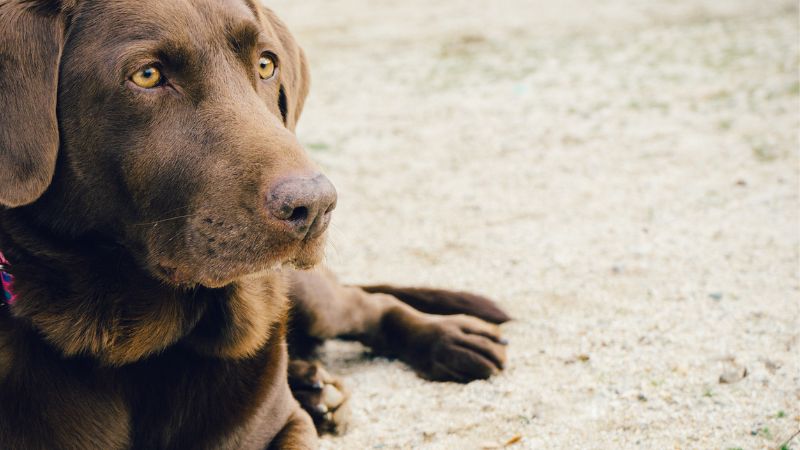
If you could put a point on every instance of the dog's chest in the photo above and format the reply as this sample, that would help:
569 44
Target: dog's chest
184 401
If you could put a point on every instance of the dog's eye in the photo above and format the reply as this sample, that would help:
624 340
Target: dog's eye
148 77
266 67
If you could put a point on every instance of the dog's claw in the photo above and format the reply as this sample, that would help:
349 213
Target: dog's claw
320 394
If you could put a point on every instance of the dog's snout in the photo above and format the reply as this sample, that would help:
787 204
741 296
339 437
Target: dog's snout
303 204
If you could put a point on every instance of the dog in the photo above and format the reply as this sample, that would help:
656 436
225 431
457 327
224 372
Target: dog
163 225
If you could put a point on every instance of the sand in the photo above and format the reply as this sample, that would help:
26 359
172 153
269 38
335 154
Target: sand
622 176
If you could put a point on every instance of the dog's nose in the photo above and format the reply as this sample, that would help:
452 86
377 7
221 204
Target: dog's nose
303 203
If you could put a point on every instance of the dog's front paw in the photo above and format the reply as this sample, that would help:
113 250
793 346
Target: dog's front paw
457 348
321 395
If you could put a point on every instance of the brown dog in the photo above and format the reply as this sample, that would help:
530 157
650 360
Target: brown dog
152 189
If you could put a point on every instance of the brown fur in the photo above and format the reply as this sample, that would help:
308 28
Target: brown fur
439 301
150 313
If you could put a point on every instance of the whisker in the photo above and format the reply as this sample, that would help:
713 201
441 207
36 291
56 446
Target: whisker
163 220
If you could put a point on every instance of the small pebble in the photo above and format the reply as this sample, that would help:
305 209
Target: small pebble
733 376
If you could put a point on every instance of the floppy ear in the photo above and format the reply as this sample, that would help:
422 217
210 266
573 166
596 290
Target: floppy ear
295 78
30 49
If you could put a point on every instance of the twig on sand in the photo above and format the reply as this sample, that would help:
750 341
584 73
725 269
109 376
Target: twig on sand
786 444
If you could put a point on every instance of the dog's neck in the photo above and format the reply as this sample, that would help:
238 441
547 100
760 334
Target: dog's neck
87 297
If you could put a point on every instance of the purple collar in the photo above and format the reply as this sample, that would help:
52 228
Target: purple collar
8 279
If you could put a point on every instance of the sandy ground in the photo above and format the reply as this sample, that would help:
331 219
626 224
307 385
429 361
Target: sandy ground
622 176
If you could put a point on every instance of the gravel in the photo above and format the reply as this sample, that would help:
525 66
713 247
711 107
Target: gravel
622 176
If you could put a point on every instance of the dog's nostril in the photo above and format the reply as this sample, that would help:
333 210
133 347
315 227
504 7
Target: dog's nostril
303 204
299 214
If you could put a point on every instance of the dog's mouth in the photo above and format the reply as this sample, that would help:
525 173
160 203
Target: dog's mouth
221 241
246 257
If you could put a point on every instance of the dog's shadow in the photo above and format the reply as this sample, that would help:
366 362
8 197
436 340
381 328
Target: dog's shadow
346 358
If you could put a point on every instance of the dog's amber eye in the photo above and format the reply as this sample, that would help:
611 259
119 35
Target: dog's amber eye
148 77
266 67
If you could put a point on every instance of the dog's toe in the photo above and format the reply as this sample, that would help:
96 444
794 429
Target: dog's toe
322 395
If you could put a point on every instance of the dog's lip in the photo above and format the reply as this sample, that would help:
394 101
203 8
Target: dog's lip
182 276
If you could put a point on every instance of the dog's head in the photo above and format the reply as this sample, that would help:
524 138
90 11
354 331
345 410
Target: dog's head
167 125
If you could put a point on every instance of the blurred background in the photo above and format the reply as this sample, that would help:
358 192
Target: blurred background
621 175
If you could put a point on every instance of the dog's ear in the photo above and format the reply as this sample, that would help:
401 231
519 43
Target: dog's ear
30 50
295 78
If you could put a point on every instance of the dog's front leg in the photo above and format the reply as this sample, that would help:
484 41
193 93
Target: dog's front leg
456 347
